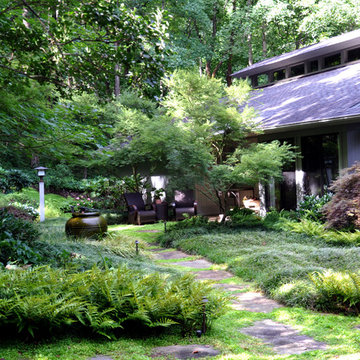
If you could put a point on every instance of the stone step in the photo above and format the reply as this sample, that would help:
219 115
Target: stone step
254 302
184 351
196 264
283 338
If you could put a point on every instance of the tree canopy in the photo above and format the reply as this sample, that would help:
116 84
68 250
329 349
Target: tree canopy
103 84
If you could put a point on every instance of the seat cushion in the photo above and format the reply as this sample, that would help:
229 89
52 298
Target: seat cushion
147 216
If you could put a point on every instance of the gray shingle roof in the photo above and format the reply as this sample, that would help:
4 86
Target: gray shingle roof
328 95
325 47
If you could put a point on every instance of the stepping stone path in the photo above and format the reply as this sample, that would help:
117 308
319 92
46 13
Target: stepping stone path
196 264
185 352
230 287
254 302
216 275
283 338
169 255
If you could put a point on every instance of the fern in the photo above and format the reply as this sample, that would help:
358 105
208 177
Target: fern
337 290
47 300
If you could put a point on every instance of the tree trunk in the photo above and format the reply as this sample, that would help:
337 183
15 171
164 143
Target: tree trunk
250 51
117 77
264 43
249 39
213 37
231 47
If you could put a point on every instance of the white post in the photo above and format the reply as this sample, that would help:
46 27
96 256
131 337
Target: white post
42 198
41 173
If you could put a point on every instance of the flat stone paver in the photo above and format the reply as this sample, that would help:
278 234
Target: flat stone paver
149 231
216 275
101 357
283 338
196 264
168 255
230 287
254 302
185 351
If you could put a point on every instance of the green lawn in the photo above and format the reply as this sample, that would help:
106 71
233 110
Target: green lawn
251 254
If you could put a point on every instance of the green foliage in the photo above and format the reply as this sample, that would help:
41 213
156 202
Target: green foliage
317 230
277 261
107 192
61 178
189 223
343 211
297 293
103 301
311 207
337 291
13 180
30 197
82 42
261 162
274 219
244 217
16 237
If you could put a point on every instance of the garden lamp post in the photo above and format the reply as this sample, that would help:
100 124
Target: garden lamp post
41 173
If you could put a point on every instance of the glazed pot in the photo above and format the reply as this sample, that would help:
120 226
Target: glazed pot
88 224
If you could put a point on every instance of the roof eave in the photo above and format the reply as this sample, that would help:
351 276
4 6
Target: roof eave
344 120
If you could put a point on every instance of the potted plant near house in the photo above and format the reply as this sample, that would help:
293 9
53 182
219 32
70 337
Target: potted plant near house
158 193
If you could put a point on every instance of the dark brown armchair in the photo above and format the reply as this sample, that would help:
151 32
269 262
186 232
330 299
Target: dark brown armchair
137 211
184 204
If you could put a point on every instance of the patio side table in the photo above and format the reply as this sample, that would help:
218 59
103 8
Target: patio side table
162 211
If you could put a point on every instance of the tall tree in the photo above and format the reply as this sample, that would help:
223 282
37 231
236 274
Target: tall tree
77 44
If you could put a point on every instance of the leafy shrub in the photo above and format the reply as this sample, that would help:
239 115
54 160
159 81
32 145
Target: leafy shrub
43 301
337 291
16 236
107 192
343 211
78 204
244 217
189 223
312 207
61 178
274 219
14 180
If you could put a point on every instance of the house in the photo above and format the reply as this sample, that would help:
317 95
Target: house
310 98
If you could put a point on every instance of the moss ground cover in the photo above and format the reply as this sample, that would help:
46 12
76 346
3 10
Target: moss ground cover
278 262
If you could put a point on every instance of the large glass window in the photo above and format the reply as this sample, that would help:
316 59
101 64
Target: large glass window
354 54
332 60
279 75
297 70
286 189
320 161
